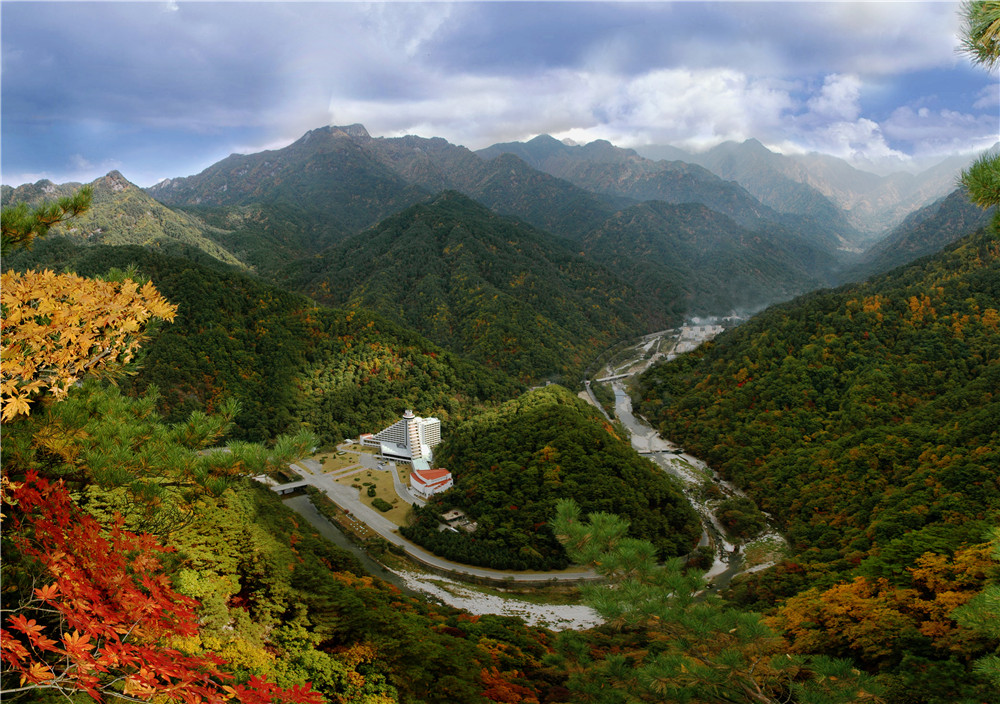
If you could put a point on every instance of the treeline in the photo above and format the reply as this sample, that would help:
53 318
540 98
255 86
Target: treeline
512 465
287 361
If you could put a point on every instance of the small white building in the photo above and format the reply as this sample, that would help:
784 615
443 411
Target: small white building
408 439
425 482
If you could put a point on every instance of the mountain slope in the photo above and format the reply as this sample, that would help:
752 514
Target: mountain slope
764 175
492 288
924 232
875 204
863 419
866 205
691 251
326 175
122 213
288 362
601 167
505 184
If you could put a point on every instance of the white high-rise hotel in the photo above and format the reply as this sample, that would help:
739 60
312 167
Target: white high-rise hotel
410 438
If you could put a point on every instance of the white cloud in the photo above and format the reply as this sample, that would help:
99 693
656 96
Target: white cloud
680 106
838 99
860 140
989 99
941 131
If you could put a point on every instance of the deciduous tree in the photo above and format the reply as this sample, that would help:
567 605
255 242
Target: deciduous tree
102 613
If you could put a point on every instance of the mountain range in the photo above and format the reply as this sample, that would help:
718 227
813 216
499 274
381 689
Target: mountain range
326 216
330 285
825 187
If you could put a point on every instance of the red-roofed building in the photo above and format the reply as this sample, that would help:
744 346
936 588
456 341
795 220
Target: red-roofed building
425 482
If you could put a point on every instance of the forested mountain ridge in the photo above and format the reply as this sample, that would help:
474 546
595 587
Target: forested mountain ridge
344 181
122 213
688 250
863 419
923 232
489 287
325 173
513 464
603 168
348 159
287 361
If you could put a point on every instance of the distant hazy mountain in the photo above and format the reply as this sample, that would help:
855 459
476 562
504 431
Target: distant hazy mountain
493 288
926 231
870 204
122 213
717 265
878 203
762 173
604 168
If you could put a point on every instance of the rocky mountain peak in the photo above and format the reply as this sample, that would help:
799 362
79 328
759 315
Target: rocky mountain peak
115 181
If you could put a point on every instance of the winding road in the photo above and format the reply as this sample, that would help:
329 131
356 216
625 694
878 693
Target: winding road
347 499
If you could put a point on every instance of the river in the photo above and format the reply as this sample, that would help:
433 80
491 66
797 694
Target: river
730 559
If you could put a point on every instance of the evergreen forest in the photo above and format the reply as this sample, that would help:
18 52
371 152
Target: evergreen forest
866 421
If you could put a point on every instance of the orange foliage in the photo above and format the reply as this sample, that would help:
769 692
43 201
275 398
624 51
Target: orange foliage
499 687
872 619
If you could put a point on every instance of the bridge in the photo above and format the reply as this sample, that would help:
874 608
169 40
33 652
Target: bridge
612 378
282 489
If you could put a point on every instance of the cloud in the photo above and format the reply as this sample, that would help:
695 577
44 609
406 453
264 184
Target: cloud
858 141
211 78
838 99
693 107
988 99
941 131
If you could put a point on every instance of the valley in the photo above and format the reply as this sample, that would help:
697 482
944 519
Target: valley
704 488
805 450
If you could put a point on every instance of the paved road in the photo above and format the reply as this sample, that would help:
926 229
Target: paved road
402 490
347 499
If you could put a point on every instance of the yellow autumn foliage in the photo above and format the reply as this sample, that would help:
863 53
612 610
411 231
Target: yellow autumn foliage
57 327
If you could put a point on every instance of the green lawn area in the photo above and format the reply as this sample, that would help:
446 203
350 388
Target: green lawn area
332 462
384 489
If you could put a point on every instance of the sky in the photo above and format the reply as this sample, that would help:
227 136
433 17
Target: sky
164 89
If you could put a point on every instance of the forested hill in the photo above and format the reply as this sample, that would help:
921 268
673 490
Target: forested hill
864 419
122 213
288 362
492 288
512 465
